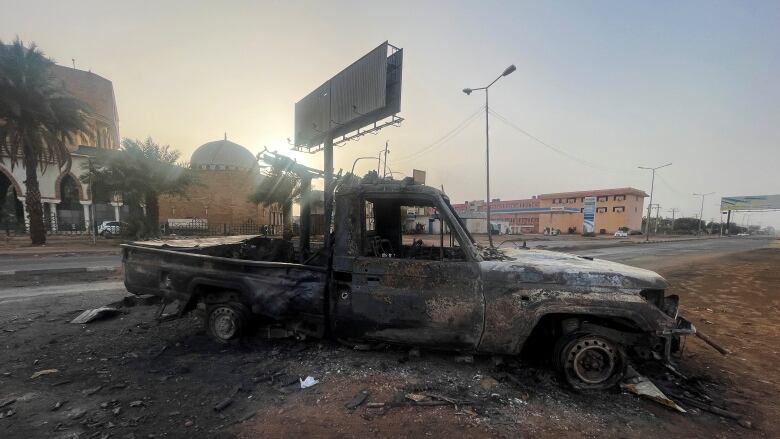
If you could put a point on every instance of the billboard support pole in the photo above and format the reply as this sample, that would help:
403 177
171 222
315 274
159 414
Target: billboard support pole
305 217
728 222
328 196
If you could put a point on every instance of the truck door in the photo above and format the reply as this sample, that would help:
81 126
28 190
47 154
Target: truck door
411 287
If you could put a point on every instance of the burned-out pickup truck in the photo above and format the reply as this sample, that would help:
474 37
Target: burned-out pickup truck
375 282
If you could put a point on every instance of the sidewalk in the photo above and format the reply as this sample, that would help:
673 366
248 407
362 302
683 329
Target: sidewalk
15 246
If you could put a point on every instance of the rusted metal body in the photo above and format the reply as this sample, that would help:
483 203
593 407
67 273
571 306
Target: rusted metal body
464 297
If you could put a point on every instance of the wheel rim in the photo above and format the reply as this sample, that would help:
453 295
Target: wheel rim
224 323
592 360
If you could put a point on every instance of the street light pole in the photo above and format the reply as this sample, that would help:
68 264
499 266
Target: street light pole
649 206
701 210
468 91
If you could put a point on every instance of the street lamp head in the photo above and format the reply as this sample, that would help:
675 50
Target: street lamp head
509 70
467 91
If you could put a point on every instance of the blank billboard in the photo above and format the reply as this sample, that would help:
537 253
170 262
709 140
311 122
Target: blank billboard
753 202
367 91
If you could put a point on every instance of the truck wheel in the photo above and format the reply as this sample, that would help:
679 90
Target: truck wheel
589 362
226 322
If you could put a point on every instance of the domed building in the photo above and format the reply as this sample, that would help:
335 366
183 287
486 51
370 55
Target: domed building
227 173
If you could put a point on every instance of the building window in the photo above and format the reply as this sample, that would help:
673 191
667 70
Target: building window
601 210
620 198
571 200
619 209
582 210
604 198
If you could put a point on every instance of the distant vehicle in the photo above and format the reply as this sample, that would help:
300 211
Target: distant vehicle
743 234
634 232
621 234
108 229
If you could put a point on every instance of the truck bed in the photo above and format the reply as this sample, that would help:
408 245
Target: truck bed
258 269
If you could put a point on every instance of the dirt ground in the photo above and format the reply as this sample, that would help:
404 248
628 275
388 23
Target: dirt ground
131 377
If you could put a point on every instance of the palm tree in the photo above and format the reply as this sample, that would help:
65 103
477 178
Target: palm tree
282 187
140 171
38 119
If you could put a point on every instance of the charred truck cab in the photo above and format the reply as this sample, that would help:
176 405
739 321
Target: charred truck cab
382 280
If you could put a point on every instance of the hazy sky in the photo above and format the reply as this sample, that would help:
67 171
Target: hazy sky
615 84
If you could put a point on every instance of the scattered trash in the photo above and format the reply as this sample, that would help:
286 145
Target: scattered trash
58 405
7 414
43 372
137 403
116 411
741 420
91 391
465 359
188 423
308 382
488 383
417 397
76 413
375 405
642 386
359 399
222 405
95 314
7 401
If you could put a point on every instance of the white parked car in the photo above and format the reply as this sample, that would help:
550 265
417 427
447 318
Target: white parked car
109 228
621 234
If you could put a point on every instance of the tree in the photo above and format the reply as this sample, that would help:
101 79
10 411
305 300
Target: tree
38 120
140 171
280 186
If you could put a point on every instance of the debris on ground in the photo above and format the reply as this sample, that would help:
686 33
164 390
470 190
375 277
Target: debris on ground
642 386
6 401
488 383
91 315
222 405
464 359
43 372
359 399
308 382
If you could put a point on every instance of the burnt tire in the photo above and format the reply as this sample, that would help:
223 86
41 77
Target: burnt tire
589 362
227 322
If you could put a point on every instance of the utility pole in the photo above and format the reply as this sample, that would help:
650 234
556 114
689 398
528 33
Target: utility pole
384 174
468 91
701 210
657 217
652 185
673 210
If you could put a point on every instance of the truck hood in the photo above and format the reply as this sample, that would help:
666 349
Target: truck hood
549 267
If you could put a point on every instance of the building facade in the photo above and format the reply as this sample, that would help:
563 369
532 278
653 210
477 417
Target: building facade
67 203
227 174
615 208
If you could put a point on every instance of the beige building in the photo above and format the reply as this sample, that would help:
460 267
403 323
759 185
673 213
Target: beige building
615 208
227 174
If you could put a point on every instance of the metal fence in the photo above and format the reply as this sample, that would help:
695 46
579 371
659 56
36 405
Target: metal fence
201 227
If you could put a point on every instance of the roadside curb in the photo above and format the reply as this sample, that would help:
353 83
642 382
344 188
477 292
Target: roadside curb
59 270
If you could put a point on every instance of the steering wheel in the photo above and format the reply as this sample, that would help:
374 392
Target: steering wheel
415 248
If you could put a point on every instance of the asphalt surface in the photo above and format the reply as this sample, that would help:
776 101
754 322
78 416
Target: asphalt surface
59 261
665 254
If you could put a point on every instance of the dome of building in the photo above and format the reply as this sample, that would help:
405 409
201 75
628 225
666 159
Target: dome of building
222 154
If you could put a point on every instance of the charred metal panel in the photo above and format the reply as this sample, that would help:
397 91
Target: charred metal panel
414 302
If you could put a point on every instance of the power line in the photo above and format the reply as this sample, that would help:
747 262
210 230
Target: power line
553 148
449 135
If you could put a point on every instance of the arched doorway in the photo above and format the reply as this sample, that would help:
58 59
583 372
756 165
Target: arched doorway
11 209
70 213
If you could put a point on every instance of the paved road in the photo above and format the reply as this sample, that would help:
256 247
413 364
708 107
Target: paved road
666 254
59 261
